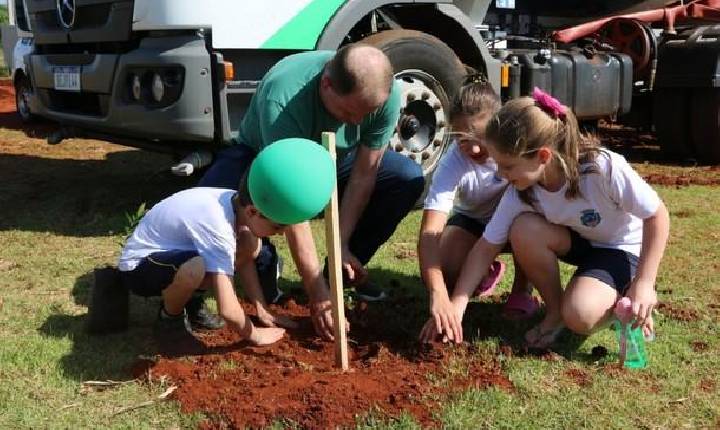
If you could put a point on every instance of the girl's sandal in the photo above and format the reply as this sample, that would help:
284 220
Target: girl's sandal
520 306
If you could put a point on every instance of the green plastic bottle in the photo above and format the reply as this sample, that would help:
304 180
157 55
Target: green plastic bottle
631 341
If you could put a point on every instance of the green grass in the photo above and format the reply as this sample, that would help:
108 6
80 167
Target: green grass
62 216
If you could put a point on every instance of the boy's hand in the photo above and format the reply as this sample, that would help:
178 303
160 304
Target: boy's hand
265 336
270 319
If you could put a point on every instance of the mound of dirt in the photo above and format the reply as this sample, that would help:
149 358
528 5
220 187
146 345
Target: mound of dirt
241 386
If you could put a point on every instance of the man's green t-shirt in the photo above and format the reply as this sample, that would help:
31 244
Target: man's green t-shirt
287 104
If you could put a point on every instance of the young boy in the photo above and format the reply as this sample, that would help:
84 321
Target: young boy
192 241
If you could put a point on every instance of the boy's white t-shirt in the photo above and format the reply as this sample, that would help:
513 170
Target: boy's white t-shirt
478 187
610 212
199 219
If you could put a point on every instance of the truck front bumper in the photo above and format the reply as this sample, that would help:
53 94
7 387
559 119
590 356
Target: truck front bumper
106 103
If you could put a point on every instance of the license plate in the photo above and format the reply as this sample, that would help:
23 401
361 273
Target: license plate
67 78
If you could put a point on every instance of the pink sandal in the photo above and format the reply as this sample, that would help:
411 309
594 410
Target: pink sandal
520 306
491 280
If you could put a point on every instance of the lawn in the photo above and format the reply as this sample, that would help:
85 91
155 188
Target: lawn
62 213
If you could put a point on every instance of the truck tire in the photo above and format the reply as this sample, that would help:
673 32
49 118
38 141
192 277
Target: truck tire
23 91
429 74
705 124
671 118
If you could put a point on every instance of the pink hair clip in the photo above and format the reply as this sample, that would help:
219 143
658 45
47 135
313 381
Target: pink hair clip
549 104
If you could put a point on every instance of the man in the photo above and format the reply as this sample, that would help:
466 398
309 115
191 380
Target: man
352 93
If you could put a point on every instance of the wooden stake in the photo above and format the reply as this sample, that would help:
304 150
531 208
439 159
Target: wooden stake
332 241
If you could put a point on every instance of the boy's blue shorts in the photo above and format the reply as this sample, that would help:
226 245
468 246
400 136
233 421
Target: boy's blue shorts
613 267
155 272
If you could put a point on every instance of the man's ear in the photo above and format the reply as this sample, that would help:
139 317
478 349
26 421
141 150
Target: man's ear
325 83
545 155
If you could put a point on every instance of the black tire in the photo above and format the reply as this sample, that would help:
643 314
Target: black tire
705 124
671 117
417 55
23 90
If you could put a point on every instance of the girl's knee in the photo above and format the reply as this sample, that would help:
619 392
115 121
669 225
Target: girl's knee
577 320
528 226
584 315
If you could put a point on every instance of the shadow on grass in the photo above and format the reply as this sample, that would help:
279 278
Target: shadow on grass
103 357
78 197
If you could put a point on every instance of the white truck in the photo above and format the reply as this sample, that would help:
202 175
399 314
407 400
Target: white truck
17 44
177 75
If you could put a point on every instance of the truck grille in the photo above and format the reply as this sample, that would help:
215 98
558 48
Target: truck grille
93 21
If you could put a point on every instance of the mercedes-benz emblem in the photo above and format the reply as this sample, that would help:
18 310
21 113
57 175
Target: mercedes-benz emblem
66 12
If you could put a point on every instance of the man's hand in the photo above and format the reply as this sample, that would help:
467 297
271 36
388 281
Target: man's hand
270 319
444 320
321 315
356 273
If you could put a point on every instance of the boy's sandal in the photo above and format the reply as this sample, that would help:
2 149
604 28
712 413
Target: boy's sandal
520 306
539 339
491 280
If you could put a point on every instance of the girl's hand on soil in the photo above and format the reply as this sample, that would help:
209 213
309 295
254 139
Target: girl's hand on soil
644 299
270 319
265 336
443 320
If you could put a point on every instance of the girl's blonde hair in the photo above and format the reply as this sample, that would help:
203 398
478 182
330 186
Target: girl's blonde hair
523 126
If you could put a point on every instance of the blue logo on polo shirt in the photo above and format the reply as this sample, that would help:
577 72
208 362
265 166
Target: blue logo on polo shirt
590 218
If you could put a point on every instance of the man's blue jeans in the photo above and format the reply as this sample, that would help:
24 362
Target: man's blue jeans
398 186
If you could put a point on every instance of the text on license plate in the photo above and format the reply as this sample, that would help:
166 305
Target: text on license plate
67 78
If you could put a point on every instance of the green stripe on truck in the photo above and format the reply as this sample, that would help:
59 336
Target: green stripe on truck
303 30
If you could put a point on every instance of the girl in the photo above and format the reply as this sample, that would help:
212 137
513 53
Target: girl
466 172
574 201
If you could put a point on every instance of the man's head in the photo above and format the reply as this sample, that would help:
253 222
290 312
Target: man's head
356 82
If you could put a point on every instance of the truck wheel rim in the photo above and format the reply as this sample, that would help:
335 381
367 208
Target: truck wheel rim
422 128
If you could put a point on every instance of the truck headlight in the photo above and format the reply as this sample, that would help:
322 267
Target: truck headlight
158 87
136 87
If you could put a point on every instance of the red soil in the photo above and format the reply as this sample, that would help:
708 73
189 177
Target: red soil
242 386
677 313
580 376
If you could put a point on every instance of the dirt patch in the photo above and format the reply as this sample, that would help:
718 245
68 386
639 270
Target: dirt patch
707 385
580 376
699 346
680 181
677 313
642 149
241 386
684 213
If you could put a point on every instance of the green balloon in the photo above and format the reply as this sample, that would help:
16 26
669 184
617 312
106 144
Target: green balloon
292 180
